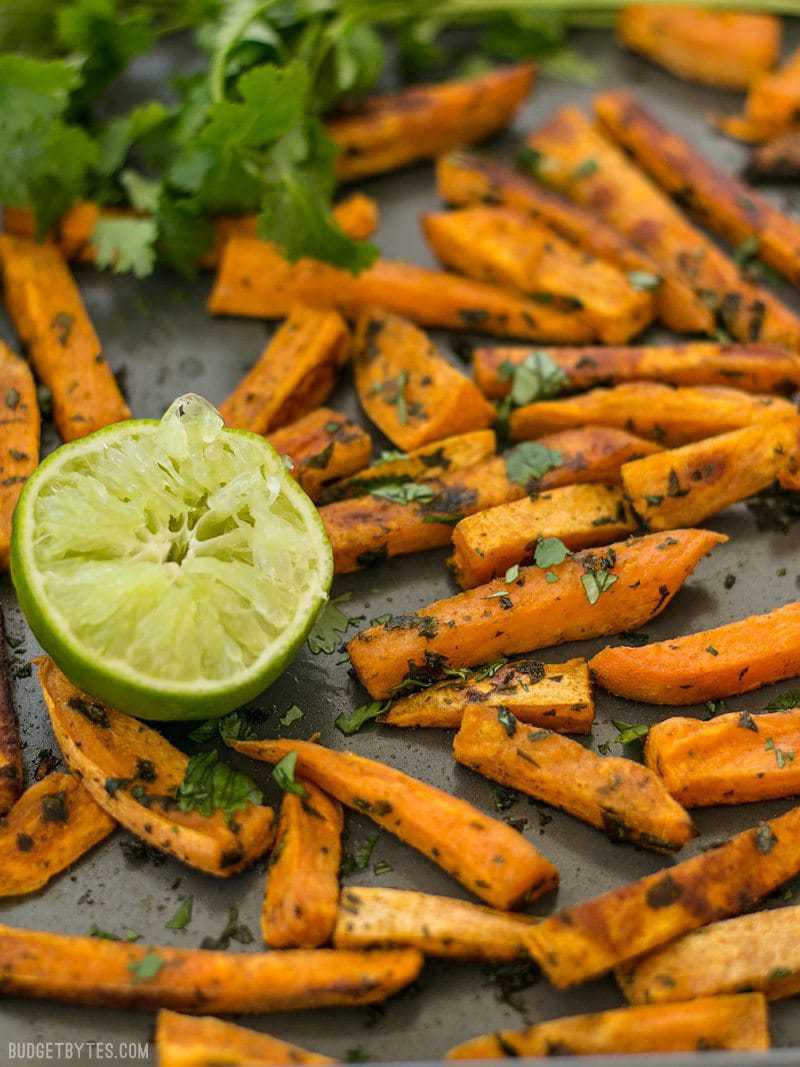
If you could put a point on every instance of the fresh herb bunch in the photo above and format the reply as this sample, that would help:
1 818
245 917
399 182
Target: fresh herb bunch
244 133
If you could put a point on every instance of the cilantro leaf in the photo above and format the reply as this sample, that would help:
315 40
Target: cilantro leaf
538 377
292 714
405 493
785 702
232 931
119 136
643 280
328 627
210 786
550 551
597 582
125 245
183 916
283 773
529 462
629 732
146 967
351 723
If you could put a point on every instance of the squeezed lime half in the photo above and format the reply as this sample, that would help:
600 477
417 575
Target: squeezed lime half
170 568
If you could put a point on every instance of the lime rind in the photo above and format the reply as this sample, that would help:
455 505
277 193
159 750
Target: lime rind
170 568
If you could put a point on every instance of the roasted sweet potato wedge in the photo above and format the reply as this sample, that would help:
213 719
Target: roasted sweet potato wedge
392 130
754 368
323 446
737 1022
578 160
733 759
587 940
504 247
421 464
10 744
554 695
303 885
293 375
671 416
408 388
771 105
730 659
595 593
776 161
49 316
684 486
620 797
468 179
581 516
756 952
90 970
488 857
686 41
254 279
719 201
366 530
438 926
134 773
182 1041
19 451
52 825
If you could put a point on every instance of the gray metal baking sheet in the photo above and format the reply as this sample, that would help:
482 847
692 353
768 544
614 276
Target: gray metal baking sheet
159 338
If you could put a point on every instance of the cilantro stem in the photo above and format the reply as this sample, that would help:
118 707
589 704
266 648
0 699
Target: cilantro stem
230 33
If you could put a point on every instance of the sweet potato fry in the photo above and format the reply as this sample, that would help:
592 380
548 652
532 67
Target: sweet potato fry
776 161
10 746
595 594
488 857
555 695
671 416
487 544
392 130
200 1042
52 825
730 659
421 464
733 759
408 388
683 486
466 179
587 940
437 926
757 952
752 367
255 280
771 105
323 446
367 530
293 375
504 247
622 798
719 201
90 970
19 453
578 160
685 40
48 313
134 773
736 1022
303 885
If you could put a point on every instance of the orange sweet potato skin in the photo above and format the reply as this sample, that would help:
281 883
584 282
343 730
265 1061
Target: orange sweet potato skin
586 940
734 1022
720 202
48 313
733 759
455 835
625 198
687 40
684 486
746 655
323 446
581 516
618 796
255 280
755 368
19 451
11 771
671 416
302 895
88 970
52 825
757 952
496 619
294 374
203 1041
408 388
395 129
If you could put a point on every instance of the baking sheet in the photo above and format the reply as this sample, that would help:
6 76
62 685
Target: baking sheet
158 336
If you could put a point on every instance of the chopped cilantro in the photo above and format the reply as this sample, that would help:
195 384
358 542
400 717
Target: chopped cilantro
405 493
210 786
643 280
232 931
512 573
105 935
529 462
283 773
628 732
785 702
538 377
597 582
507 721
183 916
146 967
782 755
549 552
329 626
291 715
585 169
351 723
